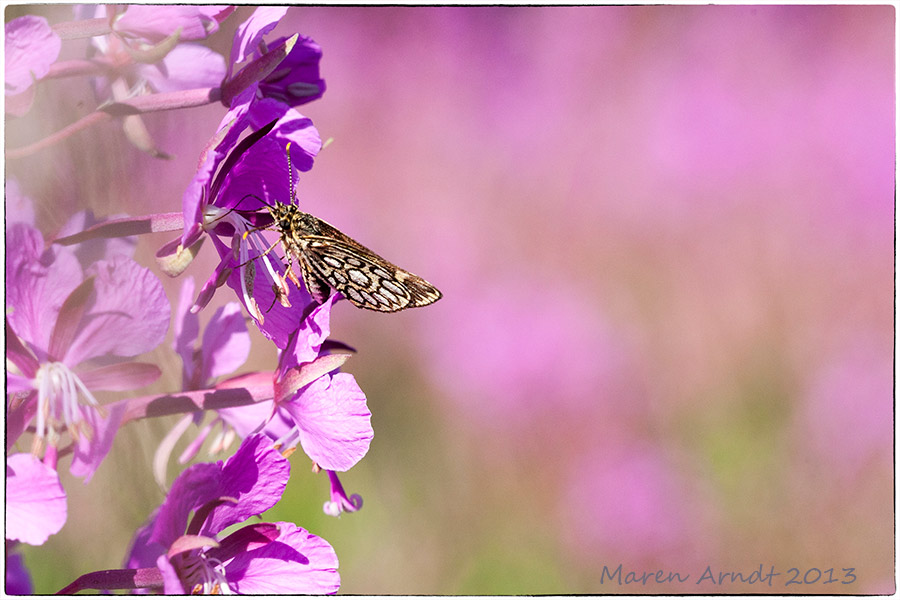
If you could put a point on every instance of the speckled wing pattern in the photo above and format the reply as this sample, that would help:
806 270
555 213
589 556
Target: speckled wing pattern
329 259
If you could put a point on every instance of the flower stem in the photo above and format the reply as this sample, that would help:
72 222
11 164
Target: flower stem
131 106
73 30
55 138
115 579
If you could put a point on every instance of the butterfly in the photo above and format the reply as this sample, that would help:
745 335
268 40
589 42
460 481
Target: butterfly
331 260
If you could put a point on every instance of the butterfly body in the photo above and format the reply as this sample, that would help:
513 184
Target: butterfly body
330 259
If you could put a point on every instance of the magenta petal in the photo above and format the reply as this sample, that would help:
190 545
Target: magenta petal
226 342
291 127
251 32
35 500
192 201
279 321
130 315
247 538
334 421
297 562
155 23
195 486
18 355
171 582
186 67
31 47
90 450
296 80
256 475
313 331
37 284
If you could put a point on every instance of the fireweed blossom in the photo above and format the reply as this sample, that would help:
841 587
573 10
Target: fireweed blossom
147 49
258 558
295 80
141 64
70 332
234 182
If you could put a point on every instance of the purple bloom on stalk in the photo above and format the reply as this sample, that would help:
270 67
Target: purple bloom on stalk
258 558
35 500
233 183
69 332
31 47
294 81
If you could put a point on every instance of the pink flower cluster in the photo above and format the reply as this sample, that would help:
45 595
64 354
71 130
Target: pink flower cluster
81 309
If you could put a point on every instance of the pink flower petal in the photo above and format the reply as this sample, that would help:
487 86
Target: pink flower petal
130 315
155 23
90 450
250 33
186 67
31 47
35 500
226 342
298 562
334 421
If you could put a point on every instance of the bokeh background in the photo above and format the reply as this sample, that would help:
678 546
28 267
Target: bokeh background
665 240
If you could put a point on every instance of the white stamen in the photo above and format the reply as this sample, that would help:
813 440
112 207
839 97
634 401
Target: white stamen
59 402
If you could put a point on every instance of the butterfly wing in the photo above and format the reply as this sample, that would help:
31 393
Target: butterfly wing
361 276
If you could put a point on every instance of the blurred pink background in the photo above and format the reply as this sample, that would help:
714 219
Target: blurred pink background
665 241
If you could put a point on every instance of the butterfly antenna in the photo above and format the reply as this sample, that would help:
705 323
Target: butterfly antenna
290 175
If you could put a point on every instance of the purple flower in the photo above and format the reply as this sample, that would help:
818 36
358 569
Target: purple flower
35 500
232 181
31 47
294 81
69 332
182 539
